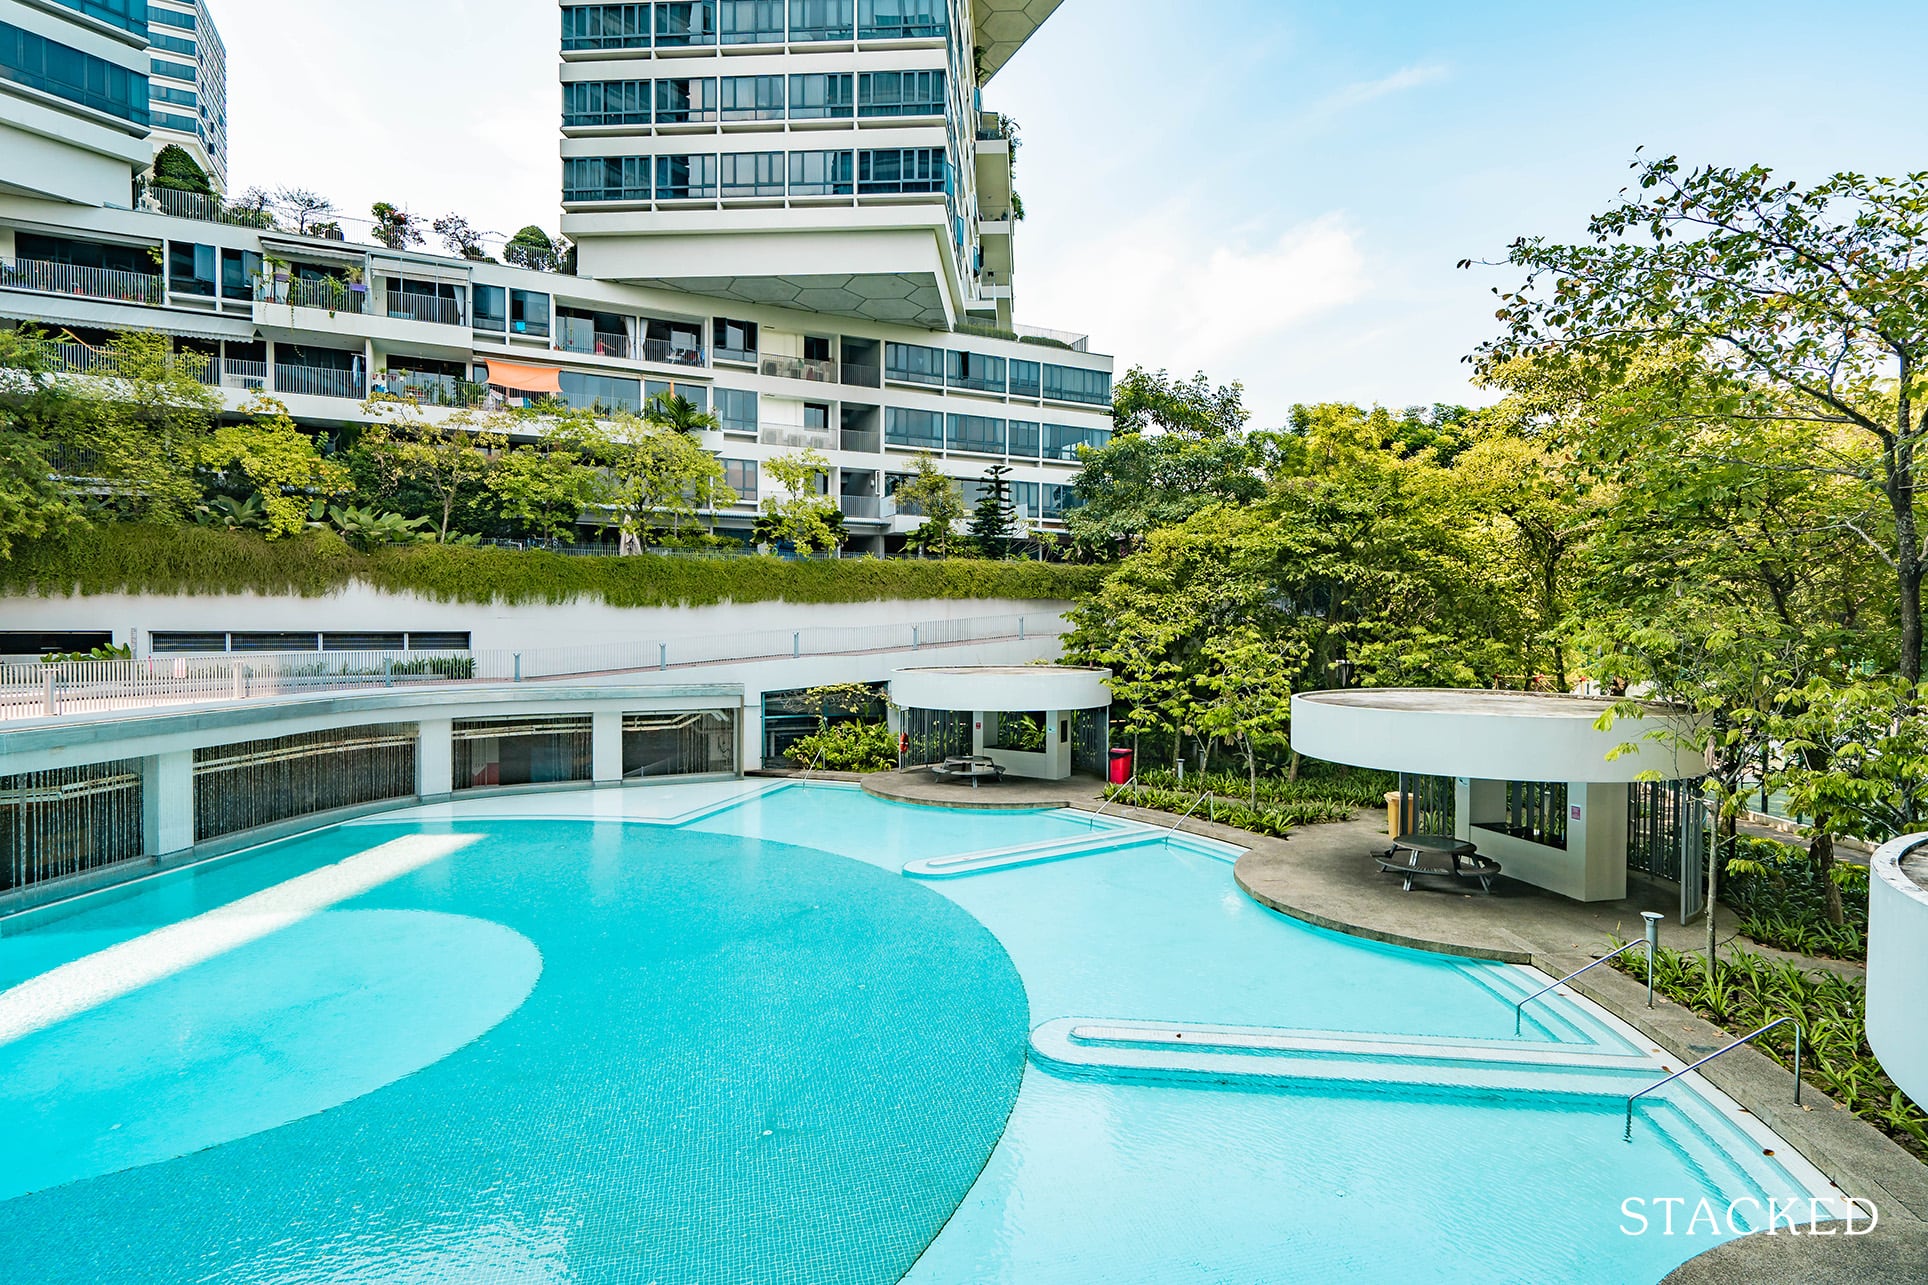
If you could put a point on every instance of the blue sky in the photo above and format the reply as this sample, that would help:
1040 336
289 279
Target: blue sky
1276 193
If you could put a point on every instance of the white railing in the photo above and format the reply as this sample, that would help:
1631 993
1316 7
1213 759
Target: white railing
315 381
812 371
793 437
106 363
249 376
91 283
94 686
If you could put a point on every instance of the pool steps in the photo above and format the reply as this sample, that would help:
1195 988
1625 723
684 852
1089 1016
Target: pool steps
1134 1050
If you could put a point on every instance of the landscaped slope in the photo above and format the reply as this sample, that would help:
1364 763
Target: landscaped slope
196 560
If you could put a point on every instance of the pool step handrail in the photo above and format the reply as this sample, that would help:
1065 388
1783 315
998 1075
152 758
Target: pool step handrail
1799 1040
1187 814
813 764
1108 802
1651 941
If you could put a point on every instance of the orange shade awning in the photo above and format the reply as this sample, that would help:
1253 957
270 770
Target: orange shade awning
524 379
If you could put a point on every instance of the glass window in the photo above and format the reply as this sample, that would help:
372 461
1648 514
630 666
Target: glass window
190 268
976 433
681 26
1024 497
1072 384
919 429
173 97
606 102
53 68
1061 441
128 15
900 93
697 395
752 98
601 394
736 410
685 178
822 96
901 19
239 268
814 20
975 371
606 178
491 308
913 363
751 22
752 174
821 174
735 339
1025 379
177 70
899 170
680 102
740 476
171 44
528 313
1025 439
605 26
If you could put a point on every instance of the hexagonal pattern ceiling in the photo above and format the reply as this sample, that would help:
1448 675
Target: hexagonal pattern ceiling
1004 25
880 297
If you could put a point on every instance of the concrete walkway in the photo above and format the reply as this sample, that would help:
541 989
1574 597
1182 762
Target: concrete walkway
1012 793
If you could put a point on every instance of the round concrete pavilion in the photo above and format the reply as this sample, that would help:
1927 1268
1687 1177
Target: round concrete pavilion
1037 722
1531 779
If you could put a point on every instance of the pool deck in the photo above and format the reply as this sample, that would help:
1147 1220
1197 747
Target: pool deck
1324 875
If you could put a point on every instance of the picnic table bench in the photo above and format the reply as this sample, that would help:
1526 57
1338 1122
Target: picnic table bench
972 768
1440 855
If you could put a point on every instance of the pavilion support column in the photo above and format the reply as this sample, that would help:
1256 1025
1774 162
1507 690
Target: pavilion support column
606 746
1597 838
167 803
434 758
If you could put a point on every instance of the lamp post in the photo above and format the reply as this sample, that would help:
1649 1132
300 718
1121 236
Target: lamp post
1653 918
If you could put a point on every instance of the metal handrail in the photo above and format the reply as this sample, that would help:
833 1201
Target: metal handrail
1651 941
1108 802
1187 815
1799 1038
813 764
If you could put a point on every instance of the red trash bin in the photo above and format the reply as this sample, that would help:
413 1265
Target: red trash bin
1121 767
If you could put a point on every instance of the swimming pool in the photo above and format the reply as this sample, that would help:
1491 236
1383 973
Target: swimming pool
716 1032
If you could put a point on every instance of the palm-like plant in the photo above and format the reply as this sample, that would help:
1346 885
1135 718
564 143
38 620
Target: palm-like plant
675 411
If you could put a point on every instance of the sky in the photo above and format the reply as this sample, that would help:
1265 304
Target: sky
1271 191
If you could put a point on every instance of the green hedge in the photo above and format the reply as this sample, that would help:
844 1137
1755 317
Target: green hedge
198 560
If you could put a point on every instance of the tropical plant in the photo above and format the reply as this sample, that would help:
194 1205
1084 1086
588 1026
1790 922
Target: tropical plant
176 168
462 240
532 248
801 516
935 496
395 227
366 529
847 747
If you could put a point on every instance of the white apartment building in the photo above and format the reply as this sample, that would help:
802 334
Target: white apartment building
73 99
188 84
862 322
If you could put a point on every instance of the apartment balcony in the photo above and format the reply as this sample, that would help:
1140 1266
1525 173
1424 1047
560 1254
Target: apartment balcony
672 354
792 437
863 508
316 381
737 356
859 442
429 308
572 334
814 372
79 359
202 209
860 375
87 283
244 376
428 389
326 295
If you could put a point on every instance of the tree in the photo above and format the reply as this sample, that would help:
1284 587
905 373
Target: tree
802 517
1139 482
994 521
1146 402
463 241
33 503
253 208
175 168
1248 680
277 461
1803 305
531 248
936 496
659 475
307 210
546 489
679 414
395 227
447 458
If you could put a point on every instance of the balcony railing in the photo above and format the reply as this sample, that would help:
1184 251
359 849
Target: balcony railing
671 353
862 506
325 294
747 356
422 307
815 372
315 381
204 209
859 442
576 334
79 359
860 375
90 283
430 389
794 438
247 376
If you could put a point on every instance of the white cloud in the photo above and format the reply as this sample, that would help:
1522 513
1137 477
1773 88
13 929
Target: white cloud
1359 93
1172 289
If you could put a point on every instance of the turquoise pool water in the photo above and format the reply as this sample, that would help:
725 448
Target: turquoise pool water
459 1048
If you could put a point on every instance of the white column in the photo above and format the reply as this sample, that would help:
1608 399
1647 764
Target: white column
750 731
1597 835
167 803
606 746
435 758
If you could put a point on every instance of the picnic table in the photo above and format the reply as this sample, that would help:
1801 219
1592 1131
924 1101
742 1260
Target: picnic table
1441 855
972 768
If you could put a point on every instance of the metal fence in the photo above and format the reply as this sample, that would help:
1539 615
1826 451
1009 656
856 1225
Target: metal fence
86 687
89 283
